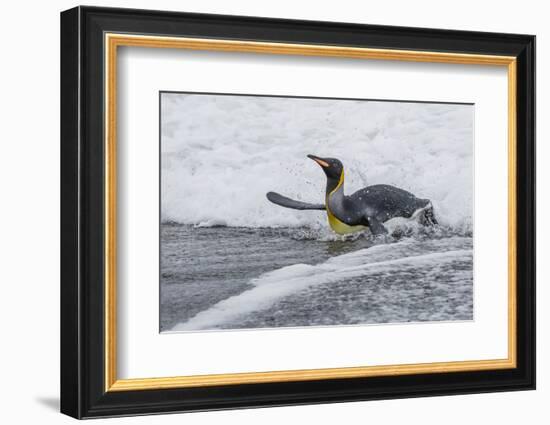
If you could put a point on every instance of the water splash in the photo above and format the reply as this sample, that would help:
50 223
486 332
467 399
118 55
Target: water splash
221 154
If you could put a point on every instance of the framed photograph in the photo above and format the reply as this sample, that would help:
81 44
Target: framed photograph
261 212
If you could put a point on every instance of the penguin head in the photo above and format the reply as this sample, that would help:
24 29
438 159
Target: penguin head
332 167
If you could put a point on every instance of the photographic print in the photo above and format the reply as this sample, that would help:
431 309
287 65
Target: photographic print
282 212
308 196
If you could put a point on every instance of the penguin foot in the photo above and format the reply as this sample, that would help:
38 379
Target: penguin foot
427 218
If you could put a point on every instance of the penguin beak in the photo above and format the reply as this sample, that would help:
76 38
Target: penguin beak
319 161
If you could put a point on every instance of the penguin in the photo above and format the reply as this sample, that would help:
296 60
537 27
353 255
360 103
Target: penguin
368 208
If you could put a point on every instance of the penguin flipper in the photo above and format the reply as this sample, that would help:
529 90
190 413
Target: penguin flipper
376 227
283 201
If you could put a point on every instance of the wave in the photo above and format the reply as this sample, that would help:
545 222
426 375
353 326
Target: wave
222 154
270 287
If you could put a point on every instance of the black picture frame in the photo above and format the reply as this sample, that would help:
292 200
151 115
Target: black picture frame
83 392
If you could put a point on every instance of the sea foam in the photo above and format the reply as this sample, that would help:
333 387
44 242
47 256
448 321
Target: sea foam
221 154
272 286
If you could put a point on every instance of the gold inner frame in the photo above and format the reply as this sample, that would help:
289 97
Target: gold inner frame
113 41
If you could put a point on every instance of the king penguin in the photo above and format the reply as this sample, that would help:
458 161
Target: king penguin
368 208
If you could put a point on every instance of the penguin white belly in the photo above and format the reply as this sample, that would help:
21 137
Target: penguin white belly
339 226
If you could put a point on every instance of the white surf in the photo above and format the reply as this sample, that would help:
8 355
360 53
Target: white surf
272 286
222 154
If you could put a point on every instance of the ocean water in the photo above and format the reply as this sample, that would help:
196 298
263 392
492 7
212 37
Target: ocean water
222 154
232 260
232 278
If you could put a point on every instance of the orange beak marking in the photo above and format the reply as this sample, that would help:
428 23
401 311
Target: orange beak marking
322 163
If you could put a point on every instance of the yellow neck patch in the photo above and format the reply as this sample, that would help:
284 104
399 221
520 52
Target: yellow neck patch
338 226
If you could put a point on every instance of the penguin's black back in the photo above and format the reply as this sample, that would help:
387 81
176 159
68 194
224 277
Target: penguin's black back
384 202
